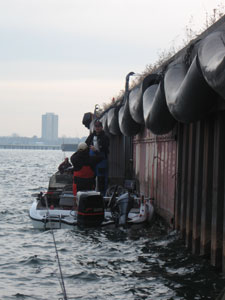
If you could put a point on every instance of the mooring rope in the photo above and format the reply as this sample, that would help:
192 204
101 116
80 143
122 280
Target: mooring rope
62 284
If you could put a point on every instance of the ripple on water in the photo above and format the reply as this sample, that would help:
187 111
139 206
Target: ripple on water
146 263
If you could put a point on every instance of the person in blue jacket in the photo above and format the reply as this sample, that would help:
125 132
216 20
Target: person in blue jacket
98 143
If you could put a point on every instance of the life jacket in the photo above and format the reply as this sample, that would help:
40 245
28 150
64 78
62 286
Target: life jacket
83 180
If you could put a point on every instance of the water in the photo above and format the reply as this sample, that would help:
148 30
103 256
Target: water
148 263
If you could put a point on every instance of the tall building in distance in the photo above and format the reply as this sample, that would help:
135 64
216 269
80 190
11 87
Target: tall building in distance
49 127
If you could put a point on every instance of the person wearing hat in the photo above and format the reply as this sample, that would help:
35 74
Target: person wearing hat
84 166
98 143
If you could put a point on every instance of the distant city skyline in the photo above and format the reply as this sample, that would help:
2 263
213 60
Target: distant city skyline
49 129
17 142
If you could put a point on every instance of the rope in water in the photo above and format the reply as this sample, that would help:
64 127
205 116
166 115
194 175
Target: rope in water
62 284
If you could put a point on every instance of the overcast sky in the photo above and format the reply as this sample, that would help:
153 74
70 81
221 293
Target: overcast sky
65 56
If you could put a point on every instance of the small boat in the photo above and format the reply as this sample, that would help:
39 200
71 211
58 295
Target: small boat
59 208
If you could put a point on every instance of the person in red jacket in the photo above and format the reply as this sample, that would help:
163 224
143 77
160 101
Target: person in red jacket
84 166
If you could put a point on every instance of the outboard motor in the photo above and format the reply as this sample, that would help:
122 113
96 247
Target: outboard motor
124 204
90 209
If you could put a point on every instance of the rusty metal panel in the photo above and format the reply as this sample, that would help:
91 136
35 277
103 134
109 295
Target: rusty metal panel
155 169
116 160
120 160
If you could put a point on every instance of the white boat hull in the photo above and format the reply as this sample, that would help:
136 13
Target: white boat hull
47 218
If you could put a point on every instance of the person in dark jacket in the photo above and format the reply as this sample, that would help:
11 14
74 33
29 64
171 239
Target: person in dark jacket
83 166
98 143
64 165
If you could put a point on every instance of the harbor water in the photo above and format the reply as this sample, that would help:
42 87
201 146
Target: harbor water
132 264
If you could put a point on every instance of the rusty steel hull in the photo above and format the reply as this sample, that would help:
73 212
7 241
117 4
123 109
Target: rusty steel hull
155 170
200 201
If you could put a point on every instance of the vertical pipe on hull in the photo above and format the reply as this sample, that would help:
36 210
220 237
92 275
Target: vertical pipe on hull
190 184
206 216
184 173
218 191
198 173
158 174
177 212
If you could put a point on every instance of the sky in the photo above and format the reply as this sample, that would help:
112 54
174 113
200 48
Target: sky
66 56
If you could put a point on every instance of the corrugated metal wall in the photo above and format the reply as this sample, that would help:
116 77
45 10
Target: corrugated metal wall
184 172
155 169
200 205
